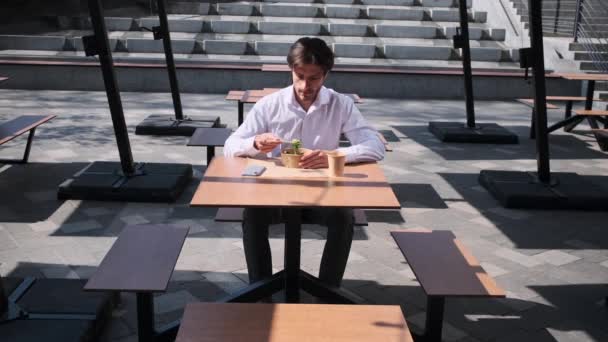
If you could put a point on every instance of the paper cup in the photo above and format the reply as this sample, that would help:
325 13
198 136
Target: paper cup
336 161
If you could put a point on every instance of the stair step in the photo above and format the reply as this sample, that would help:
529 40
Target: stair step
240 60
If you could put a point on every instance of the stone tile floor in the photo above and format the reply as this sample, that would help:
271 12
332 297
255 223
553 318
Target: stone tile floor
553 264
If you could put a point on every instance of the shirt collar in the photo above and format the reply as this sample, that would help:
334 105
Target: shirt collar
322 98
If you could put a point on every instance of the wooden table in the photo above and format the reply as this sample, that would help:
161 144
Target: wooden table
253 96
222 322
363 186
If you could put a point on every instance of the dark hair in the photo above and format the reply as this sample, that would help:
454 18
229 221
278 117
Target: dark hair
310 51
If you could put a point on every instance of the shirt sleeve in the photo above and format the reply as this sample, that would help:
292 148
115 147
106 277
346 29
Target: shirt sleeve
364 139
240 143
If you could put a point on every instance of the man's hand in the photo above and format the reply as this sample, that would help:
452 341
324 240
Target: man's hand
316 159
266 142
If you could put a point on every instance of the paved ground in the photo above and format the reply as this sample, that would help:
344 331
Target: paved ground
554 265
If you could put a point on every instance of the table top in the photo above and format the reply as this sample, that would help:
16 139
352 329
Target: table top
584 76
255 322
362 186
209 136
141 260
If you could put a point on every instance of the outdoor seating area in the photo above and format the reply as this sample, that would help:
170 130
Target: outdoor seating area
550 264
383 181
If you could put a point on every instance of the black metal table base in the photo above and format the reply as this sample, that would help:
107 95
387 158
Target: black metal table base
104 181
168 125
515 189
485 133
292 278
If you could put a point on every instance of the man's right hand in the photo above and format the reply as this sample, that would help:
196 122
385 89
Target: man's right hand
266 142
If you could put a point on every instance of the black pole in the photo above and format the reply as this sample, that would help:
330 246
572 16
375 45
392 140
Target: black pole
466 63
3 298
538 81
164 27
109 78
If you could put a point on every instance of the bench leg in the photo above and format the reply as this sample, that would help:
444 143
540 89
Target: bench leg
434 319
567 115
241 110
145 317
26 154
210 154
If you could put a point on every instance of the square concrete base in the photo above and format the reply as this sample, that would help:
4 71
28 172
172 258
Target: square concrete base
167 125
57 310
485 133
103 181
568 191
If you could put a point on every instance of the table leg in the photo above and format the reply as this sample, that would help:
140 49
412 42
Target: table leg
293 234
145 317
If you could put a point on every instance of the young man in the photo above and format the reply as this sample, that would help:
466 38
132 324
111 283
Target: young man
317 116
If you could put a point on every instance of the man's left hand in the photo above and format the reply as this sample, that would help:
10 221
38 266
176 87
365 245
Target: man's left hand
315 159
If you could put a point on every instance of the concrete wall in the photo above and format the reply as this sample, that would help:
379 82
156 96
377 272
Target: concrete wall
380 85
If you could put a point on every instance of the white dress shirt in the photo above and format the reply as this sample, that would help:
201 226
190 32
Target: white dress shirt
319 129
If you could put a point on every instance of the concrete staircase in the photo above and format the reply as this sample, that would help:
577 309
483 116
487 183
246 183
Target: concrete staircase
361 32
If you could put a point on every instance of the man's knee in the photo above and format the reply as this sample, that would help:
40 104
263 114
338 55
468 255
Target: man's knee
340 217
258 216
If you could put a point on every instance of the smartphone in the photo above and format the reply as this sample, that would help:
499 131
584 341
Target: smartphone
253 170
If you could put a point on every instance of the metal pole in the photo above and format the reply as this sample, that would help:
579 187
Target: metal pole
109 78
538 81
466 63
577 18
3 298
164 27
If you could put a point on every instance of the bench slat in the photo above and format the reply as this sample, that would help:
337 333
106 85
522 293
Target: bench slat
443 266
569 98
209 136
141 260
11 129
530 103
597 112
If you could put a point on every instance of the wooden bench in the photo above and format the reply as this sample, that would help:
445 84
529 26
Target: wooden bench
256 322
11 129
210 138
567 114
444 268
141 260
253 96
236 215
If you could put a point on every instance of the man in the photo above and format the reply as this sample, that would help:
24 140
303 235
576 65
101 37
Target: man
317 116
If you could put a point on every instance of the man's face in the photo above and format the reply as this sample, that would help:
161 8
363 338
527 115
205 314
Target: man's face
307 81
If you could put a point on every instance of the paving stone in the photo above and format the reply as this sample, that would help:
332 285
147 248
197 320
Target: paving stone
519 258
555 257
172 301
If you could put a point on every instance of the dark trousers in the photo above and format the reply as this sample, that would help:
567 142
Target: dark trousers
339 222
